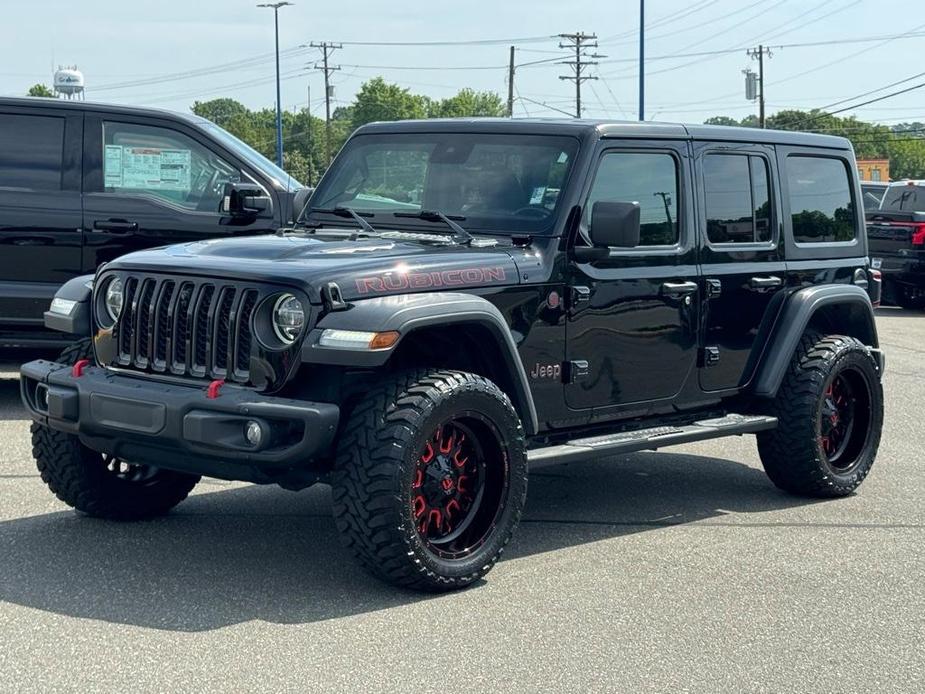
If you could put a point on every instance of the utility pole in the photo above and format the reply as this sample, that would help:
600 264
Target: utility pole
308 121
510 87
642 59
579 42
758 54
327 49
279 107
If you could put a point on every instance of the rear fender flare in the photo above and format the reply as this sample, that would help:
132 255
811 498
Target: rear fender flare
797 315
407 313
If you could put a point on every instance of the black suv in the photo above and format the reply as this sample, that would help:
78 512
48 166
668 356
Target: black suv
462 298
83 183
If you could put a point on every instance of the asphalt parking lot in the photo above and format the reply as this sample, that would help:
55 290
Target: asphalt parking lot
679 570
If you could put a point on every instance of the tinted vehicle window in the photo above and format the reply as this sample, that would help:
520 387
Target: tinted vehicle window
820 199
492 182
166 164
31 152
651 179
872 196
737 198
909 197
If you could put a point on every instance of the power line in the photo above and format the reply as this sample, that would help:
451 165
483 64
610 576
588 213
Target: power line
712 22
751 41
471 42
662 21
865 103
543 104
872 91
200 72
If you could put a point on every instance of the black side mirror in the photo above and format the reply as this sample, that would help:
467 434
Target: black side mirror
245 200
615 224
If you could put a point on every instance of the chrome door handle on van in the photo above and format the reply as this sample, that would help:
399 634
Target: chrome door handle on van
116 226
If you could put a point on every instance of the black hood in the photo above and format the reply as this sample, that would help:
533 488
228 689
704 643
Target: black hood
361 268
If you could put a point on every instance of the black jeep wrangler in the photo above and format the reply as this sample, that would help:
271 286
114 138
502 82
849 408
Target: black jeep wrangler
463 299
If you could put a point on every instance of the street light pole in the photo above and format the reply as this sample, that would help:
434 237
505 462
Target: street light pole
642 59
279 107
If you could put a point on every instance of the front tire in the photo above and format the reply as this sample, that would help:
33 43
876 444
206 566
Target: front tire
431 479
101 485
830 414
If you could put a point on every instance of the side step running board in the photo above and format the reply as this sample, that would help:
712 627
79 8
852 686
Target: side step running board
649 439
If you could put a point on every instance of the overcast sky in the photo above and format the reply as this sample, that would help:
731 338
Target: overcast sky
136 52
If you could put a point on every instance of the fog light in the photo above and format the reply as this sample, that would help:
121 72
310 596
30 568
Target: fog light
253 432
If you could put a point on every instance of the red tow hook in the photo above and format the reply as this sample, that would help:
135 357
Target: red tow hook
78 369
214 387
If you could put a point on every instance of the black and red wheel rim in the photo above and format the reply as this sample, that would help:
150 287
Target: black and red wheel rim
844 419
459 486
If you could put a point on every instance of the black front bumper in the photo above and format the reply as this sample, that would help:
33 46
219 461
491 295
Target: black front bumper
179 426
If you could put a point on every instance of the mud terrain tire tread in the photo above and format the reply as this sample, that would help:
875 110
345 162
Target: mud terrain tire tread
371 451
790 453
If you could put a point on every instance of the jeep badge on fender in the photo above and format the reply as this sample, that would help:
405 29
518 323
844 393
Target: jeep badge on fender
405 341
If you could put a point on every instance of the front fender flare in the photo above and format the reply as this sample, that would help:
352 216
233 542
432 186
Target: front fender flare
77 321
801 306
407 313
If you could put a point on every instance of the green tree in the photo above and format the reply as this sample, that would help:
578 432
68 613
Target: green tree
468 103
39 90
220 111
903 145
378 100
721 120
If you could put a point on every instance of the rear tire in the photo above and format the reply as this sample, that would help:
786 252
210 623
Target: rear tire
830 414
430 479
101 485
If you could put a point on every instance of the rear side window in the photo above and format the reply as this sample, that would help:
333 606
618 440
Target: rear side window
651 179
31 152
821 206
736 193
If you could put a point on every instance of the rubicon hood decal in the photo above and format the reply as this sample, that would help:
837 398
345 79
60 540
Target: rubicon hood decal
361 268
402 279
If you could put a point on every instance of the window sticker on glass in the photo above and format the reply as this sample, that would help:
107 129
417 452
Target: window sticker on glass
147 168
112 166
537 197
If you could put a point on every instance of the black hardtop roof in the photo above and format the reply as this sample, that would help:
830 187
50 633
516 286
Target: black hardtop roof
73 104
609 128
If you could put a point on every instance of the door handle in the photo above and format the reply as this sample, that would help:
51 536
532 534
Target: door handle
678 288
765 282
116 226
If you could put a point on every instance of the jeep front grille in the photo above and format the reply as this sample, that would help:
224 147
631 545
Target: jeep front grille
186 327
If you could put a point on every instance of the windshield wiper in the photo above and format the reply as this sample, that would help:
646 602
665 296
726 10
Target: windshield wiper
460 235
342 211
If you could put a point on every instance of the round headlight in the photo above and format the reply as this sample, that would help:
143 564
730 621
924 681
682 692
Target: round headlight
114 297
288 318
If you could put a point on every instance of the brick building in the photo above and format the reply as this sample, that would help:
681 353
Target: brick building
874 169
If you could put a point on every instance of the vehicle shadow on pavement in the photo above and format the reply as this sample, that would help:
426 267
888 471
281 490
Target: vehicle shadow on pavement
232 555
11 407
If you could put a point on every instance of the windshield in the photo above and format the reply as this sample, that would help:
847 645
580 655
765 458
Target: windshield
253 157
492 183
